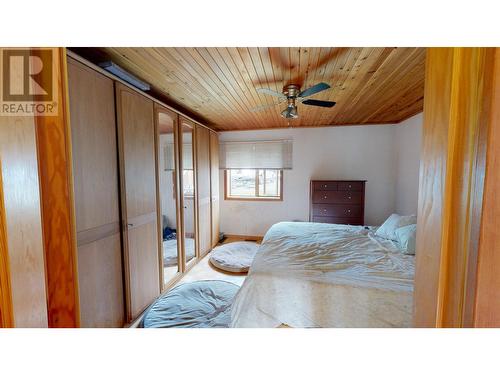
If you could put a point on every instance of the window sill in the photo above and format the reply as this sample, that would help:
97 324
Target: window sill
258 199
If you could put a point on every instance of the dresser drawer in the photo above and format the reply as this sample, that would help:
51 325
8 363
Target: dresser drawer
325 185
344 197
351 185
337 220
337 210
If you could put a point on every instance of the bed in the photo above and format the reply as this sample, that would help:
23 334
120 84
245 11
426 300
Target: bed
326 275
170 251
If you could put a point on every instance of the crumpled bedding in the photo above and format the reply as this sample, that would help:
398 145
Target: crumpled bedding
200 304
326 275
170 251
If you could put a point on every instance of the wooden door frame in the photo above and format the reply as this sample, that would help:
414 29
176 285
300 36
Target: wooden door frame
55 170
456 117
184 121
157 110
6 311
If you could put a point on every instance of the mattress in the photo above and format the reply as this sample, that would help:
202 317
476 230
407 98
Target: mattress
326 275
170 251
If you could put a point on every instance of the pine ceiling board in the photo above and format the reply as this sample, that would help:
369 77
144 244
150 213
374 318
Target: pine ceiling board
156 72
399 109
219 67
276 85
238 72
263 80
370 85
394 84
219 103
336 60
392 71
143 63
201 56
307 111
406 97
319 76
206 75
247 77
253 79
341 74
355 80
365 84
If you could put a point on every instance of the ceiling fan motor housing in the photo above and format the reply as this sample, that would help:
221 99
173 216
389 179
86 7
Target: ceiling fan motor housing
291 91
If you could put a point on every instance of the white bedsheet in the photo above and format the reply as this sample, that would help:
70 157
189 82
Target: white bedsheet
326 275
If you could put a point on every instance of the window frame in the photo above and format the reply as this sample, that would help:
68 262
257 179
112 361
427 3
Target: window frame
257 197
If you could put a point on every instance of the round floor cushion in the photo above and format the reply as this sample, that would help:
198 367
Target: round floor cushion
200 304
234 257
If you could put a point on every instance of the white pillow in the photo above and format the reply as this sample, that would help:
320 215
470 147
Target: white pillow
407 237
393 222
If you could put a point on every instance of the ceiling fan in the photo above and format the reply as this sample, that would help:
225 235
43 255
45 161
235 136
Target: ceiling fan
292 95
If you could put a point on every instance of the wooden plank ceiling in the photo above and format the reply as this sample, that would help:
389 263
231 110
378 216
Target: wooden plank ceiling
218 85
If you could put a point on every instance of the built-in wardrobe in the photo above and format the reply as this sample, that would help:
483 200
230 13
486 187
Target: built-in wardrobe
146 195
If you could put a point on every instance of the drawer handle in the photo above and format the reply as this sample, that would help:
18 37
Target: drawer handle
324 186
349 197
324 210
349 211
324 197
350 186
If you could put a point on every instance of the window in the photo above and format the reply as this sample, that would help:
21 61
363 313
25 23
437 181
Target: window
259 184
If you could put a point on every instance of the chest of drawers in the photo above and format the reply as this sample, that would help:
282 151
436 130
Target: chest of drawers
337 202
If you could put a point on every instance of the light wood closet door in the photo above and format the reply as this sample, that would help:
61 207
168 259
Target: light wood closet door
203 183
214 184
95 170
139 209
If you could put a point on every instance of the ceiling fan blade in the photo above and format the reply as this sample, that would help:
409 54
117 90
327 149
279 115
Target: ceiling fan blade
264 107
314 89
319 103
270 92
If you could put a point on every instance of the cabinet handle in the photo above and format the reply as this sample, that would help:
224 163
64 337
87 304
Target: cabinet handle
324 197
324 210
349 197
350 186
324 185
349 211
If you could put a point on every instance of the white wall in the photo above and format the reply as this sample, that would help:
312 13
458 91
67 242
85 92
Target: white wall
343 152
408 140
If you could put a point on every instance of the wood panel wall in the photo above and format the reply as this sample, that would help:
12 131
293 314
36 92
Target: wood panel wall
136 132
202 136
454 112
95 166
214 187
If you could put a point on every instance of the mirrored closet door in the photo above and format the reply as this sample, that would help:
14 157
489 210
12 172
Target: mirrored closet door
188 191
168 218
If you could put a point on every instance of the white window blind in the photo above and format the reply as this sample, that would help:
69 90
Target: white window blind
256 155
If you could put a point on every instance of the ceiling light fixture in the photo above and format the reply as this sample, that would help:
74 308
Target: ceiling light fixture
124 75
